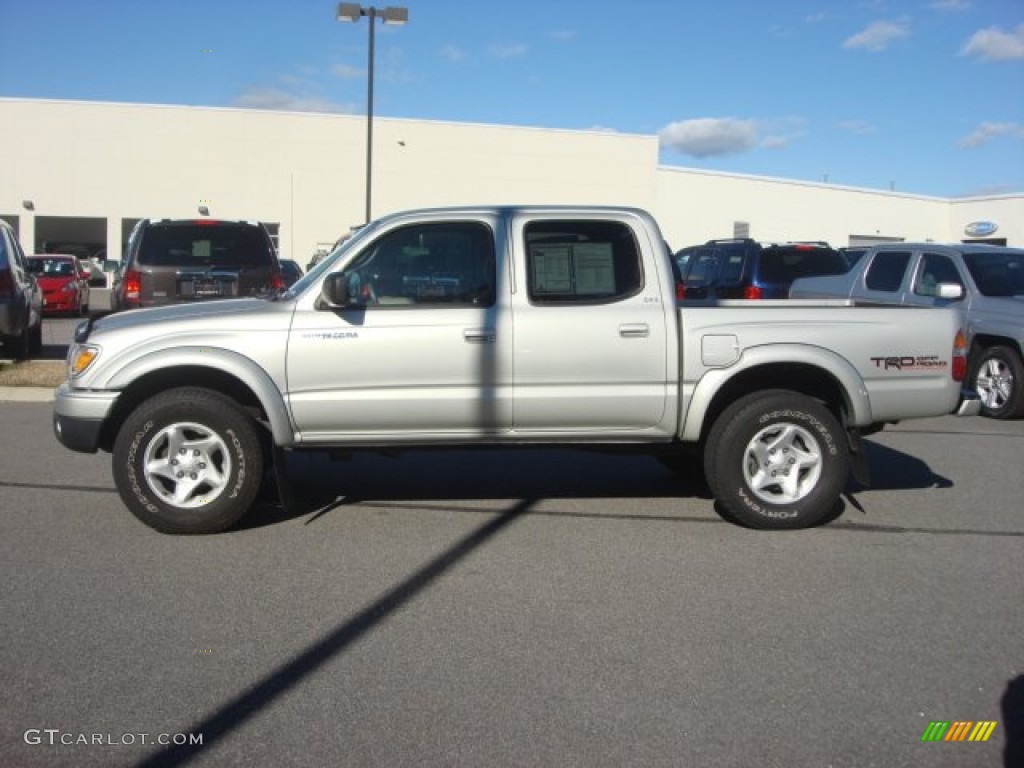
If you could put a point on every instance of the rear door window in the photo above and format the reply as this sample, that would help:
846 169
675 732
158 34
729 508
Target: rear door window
886 270
589 262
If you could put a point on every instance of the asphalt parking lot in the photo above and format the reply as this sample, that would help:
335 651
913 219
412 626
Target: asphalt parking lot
508 608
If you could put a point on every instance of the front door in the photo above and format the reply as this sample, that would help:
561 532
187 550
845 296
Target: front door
420 350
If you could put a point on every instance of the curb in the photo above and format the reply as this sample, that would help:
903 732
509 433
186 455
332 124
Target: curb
26 395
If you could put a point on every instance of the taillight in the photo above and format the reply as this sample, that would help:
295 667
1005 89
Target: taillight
276 281
959 370
680 291
6 284
751 292
132 282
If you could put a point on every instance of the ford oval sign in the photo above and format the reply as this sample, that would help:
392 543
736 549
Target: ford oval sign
980 228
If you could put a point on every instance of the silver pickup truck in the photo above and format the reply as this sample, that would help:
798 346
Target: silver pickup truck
985 282
501 326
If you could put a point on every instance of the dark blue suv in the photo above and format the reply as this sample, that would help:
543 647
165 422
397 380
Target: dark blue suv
745 269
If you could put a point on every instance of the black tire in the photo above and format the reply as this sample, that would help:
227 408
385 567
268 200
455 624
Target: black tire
997 375
188 460
21 345
35 339
777 460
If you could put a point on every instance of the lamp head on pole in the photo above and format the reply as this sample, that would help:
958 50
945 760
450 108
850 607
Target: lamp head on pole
392 14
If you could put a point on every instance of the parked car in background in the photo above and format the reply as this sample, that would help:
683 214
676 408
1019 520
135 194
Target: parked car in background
174 261
746 269
290 271
64 281
21 300
97 277
985 281
853 253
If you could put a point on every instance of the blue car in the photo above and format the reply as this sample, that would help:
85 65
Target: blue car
742 268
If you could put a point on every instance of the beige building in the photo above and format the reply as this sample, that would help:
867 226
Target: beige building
85 172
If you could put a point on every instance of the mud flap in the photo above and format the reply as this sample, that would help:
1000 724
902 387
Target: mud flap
858 458
285 489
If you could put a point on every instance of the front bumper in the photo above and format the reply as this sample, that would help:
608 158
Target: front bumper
79 415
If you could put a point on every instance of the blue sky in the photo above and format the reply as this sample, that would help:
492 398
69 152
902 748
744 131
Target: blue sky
922 96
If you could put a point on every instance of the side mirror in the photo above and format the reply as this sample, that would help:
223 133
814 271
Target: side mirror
949 291
335 291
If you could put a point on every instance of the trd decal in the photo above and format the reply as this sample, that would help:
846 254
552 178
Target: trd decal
909 363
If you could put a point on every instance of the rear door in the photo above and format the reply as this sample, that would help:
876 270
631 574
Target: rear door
591 334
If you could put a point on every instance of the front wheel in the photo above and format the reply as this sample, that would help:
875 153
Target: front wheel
777 460
998 378
188 460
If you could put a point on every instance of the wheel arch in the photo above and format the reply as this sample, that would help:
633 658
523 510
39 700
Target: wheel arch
238 379
816 373
982 341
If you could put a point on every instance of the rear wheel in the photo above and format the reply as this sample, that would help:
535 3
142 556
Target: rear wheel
777 460
188 460
21 344
998 378
35 338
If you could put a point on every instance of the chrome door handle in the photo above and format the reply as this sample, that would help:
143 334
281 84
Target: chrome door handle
634 330
478 336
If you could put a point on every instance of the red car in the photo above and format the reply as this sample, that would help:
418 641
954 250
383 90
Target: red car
64 282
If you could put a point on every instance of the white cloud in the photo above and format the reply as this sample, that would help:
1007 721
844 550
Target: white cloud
453 54
995 44
508 51
279 100
879 36
860 127
986 132
348 72
709 136
563 35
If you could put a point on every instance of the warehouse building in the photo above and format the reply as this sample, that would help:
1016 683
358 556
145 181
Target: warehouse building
78 175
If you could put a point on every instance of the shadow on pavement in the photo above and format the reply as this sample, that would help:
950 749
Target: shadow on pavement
321 485
237 712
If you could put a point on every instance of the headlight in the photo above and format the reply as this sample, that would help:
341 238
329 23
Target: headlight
70 288
80 357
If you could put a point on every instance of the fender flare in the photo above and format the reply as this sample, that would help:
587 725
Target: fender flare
837 367
226 361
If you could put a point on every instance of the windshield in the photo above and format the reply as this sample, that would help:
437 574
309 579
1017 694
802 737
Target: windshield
51 267
999 273
323 266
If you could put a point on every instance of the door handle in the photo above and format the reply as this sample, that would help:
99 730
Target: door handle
478 336
634 330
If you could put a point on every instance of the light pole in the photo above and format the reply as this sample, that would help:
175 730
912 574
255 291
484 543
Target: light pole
389 15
